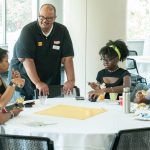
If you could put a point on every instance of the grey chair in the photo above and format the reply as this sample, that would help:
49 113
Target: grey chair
131 66
133 53
20 142
132 139
57 91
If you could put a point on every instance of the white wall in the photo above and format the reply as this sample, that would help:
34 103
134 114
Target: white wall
75 20
91 24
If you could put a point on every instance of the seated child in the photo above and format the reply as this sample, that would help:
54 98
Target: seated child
112 76
6 92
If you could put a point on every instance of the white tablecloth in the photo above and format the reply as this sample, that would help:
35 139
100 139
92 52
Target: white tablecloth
95 133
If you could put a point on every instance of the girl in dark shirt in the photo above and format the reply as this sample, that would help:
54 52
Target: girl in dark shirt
113 77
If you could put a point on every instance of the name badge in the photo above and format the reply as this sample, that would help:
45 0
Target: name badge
56 42
56 47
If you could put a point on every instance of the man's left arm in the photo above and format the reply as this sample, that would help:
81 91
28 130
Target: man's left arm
69 69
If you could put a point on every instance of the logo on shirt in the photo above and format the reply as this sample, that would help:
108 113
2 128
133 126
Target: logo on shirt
40 43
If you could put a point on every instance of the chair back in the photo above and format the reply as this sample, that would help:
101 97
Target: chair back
57 91
133 53
132 139
20 142
131 66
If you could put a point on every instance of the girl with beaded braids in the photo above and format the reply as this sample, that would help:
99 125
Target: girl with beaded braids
112 78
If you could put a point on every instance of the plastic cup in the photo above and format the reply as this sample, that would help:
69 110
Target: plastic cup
113 96
42 99
121 100
101 97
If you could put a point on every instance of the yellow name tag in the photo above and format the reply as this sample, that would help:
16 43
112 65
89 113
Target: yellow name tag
39 43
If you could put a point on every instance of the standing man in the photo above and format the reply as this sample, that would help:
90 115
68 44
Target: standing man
38 53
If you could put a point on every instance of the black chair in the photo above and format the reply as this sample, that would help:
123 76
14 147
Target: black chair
131 66
57 91
20 142
133 53
132 139
136 79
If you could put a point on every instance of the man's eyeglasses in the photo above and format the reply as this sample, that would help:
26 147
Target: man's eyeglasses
46 18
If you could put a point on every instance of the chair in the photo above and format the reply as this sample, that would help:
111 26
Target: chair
131 66
133 53
132 139
136 79
20 142
57 91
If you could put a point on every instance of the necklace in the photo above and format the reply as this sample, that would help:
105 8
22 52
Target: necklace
113 70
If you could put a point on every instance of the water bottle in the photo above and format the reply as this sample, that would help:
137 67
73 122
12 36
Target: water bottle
126 100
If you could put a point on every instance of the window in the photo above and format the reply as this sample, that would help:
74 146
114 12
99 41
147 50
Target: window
18 14
1 33
14 14
138 25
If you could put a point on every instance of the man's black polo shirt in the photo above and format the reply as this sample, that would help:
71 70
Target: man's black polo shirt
46 51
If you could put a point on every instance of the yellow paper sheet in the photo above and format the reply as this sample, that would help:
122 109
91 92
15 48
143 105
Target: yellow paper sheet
73 112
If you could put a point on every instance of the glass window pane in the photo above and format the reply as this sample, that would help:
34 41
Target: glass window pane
1 37
138 19
19 13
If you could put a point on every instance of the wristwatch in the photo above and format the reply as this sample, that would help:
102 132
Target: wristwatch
12 84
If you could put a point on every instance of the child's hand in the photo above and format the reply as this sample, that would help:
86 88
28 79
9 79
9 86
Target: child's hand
139 97
15 74
16 111
19 82
93 95
94 85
